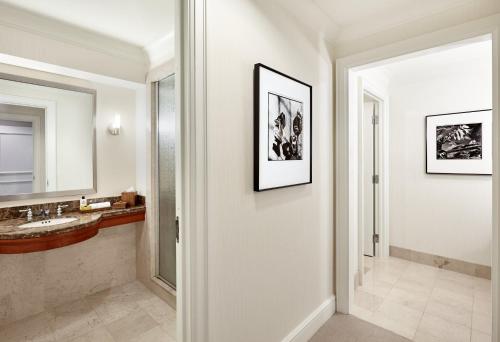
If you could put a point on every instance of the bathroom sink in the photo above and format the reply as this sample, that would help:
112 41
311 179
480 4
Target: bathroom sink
49 222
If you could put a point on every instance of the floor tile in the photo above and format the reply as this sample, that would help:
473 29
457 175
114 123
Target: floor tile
131 326
376 287
482 323
154 335
414 300
120 314
73 320
96 335
362 313
397 318
367 300
449 313
33 329
158 309
421 336
425 303
458 300
480 337
482 306
444 330
112 305
455 286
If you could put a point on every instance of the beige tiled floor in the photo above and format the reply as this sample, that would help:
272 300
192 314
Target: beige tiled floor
423 303
121 314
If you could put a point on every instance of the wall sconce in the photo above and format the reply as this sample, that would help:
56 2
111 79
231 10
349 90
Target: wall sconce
115 127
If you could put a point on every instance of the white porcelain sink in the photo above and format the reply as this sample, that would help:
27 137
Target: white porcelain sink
49 222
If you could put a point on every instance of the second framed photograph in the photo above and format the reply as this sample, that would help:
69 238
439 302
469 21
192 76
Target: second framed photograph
282 130
459 143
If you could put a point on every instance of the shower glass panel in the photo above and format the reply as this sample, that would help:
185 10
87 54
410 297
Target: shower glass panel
166 181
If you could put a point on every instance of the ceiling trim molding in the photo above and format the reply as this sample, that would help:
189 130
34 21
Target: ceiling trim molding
161 51
56 30
465 9
69 72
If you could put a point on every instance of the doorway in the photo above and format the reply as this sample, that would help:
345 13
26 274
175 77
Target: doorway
22 128
370 177
406 267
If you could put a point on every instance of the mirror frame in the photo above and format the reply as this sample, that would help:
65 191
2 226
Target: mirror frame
50 84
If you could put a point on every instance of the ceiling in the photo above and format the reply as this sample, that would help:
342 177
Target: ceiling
149 24
347 13
342 20
137 22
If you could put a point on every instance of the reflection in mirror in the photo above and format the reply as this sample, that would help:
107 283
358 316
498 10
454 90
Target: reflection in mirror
47 139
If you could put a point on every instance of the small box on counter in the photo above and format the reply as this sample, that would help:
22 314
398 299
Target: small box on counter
119 205
129 197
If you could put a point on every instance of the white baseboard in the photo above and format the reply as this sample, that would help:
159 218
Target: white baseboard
308 327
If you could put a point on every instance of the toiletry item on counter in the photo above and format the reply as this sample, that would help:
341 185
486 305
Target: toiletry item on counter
129 196
83 202
119 205
96 206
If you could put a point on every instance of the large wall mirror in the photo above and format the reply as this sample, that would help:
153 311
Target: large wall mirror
47 139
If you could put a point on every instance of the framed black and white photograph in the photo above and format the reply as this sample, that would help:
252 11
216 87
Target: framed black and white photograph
459 143
282 130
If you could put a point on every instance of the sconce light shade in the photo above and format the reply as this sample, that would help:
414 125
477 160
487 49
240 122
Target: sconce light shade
115 127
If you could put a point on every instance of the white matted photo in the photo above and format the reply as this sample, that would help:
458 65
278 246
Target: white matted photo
459 143
282 130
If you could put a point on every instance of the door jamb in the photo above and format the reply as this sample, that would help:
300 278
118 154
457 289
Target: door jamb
345 203
191 71
380 95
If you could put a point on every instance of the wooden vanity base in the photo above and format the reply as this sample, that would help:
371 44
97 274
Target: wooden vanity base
43 243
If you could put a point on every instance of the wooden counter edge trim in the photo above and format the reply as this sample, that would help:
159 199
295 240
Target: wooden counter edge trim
44 243
118 220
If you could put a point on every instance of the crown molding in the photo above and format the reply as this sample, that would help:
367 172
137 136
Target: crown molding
161 50
26 21
463 11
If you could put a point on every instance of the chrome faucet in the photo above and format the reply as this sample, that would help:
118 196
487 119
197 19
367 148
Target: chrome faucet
60 208
44 213
29 215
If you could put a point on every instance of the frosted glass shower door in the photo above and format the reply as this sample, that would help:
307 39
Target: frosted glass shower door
167 232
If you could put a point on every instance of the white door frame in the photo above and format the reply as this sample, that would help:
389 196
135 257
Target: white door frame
380 95
346 206
191 73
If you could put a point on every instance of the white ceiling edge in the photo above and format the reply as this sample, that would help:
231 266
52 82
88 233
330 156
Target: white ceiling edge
161 50
311 16
364 27
345 46
56 30
70 72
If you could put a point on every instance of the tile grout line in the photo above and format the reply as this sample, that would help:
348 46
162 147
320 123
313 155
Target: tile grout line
426 304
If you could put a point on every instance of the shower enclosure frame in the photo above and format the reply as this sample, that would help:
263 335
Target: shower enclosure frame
155 193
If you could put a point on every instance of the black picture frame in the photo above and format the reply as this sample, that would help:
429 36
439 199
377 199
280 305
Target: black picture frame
427 139
257 132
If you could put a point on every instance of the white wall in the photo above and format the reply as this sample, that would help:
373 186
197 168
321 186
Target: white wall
447 215
270 254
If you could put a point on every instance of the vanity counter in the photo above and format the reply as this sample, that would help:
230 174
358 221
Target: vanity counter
14 239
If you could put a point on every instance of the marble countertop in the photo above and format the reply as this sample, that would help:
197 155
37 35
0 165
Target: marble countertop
10 230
